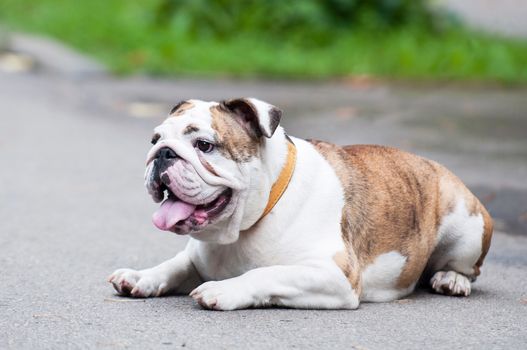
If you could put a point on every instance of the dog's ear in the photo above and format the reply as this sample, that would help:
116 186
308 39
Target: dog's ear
257 117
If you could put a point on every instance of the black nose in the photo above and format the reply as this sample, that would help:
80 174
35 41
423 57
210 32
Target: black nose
166 153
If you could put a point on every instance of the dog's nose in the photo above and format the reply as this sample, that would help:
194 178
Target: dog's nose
166 153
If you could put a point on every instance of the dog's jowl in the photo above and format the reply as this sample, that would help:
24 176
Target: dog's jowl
277 220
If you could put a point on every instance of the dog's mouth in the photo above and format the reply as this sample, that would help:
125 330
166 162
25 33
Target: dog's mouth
181 217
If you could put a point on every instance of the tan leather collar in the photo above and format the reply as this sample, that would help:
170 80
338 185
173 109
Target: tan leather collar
279 187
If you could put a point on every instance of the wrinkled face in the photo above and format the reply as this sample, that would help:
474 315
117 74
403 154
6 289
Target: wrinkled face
199 163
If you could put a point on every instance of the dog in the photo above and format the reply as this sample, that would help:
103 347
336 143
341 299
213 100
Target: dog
276 220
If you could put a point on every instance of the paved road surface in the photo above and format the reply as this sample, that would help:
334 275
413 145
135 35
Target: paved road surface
73 208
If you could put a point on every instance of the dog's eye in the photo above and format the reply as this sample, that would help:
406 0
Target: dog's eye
204 146
155 138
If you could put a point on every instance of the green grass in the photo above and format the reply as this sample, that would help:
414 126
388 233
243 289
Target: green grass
124 35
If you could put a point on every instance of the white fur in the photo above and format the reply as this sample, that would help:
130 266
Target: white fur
459 241
281 237
301 250
379 279
450 283
265 172
284 259
262 109
230 174
177 274
300 286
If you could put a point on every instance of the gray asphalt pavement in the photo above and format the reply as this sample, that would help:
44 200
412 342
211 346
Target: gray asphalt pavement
73 209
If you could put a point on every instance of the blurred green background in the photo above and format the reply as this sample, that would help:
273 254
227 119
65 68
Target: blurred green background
394 39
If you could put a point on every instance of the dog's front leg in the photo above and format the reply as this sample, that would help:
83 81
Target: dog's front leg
177 275
297 286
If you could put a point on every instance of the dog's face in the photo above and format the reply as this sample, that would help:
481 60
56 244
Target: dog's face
202 163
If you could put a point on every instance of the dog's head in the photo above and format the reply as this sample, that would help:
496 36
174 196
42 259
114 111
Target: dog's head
204 162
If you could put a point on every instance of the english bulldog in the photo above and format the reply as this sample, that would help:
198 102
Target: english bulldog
276 220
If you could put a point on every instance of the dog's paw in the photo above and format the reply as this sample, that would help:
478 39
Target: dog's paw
222 295
450 283
138 284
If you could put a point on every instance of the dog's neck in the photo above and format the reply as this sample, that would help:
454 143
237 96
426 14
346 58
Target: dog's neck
281 183
273 158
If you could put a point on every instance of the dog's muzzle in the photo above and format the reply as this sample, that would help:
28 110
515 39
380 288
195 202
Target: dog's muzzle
189 203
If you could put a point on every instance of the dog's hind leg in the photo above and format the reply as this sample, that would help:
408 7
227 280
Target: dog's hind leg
463 241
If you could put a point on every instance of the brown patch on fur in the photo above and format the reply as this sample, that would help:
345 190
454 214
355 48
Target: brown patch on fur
341 259
189 129
245 113
181 108
233 140
347 261
488 228
394 201
354 206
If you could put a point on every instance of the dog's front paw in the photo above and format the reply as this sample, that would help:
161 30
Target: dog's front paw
223 295
137 284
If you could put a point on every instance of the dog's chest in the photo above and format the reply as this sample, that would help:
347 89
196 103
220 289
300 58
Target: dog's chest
217 262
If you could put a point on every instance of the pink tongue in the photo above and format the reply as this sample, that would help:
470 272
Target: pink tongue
170 212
